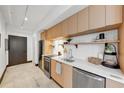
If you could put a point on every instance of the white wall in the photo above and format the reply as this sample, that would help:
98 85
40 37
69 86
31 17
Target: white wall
3 62
19 32
85 51
36 38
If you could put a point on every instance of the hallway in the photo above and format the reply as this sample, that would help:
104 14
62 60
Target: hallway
26 76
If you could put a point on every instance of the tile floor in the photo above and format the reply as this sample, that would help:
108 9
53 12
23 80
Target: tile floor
26 76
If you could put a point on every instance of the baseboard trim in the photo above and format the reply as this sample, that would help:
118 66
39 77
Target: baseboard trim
3 75
20 63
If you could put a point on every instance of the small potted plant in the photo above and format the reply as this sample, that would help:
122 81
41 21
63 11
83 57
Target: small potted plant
108 48
68 40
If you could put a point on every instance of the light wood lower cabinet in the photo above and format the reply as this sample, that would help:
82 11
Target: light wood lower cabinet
65 78
113 84
57 77
67 72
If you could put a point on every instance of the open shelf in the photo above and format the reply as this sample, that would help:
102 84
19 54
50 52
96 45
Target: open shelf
93 42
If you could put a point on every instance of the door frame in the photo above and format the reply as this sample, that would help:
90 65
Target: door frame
9 48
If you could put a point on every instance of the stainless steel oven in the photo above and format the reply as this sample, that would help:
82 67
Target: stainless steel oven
47 65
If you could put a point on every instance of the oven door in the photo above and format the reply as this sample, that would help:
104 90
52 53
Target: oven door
47 67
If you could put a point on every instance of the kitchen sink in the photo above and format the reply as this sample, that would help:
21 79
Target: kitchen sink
67 60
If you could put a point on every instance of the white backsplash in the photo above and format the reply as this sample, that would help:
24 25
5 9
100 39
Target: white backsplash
86 50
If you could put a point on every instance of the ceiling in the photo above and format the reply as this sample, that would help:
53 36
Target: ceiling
40 17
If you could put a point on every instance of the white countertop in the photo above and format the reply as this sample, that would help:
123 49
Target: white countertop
114 74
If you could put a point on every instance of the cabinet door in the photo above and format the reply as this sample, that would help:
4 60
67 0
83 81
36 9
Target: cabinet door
113 84
121 47
72 24
65 28
48 34
47 47
96 16
57 31
83 20
113 14
53 69
57 77
52 33
67 74
43 35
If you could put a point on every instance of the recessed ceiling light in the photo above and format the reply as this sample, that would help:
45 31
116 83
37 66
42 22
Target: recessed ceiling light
26 19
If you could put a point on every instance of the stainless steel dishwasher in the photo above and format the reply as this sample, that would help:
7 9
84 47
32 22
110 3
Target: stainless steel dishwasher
84 79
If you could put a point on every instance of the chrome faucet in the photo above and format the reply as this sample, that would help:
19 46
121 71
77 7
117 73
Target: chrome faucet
69 57
70 54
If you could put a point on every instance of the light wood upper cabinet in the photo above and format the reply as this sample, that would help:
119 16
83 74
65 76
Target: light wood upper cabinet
57 30
43 35
96 16
83 20
54 32
64 28
91 19
47 47
113 14
72 24
49 34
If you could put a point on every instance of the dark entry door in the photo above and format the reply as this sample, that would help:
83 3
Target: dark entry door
17 50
